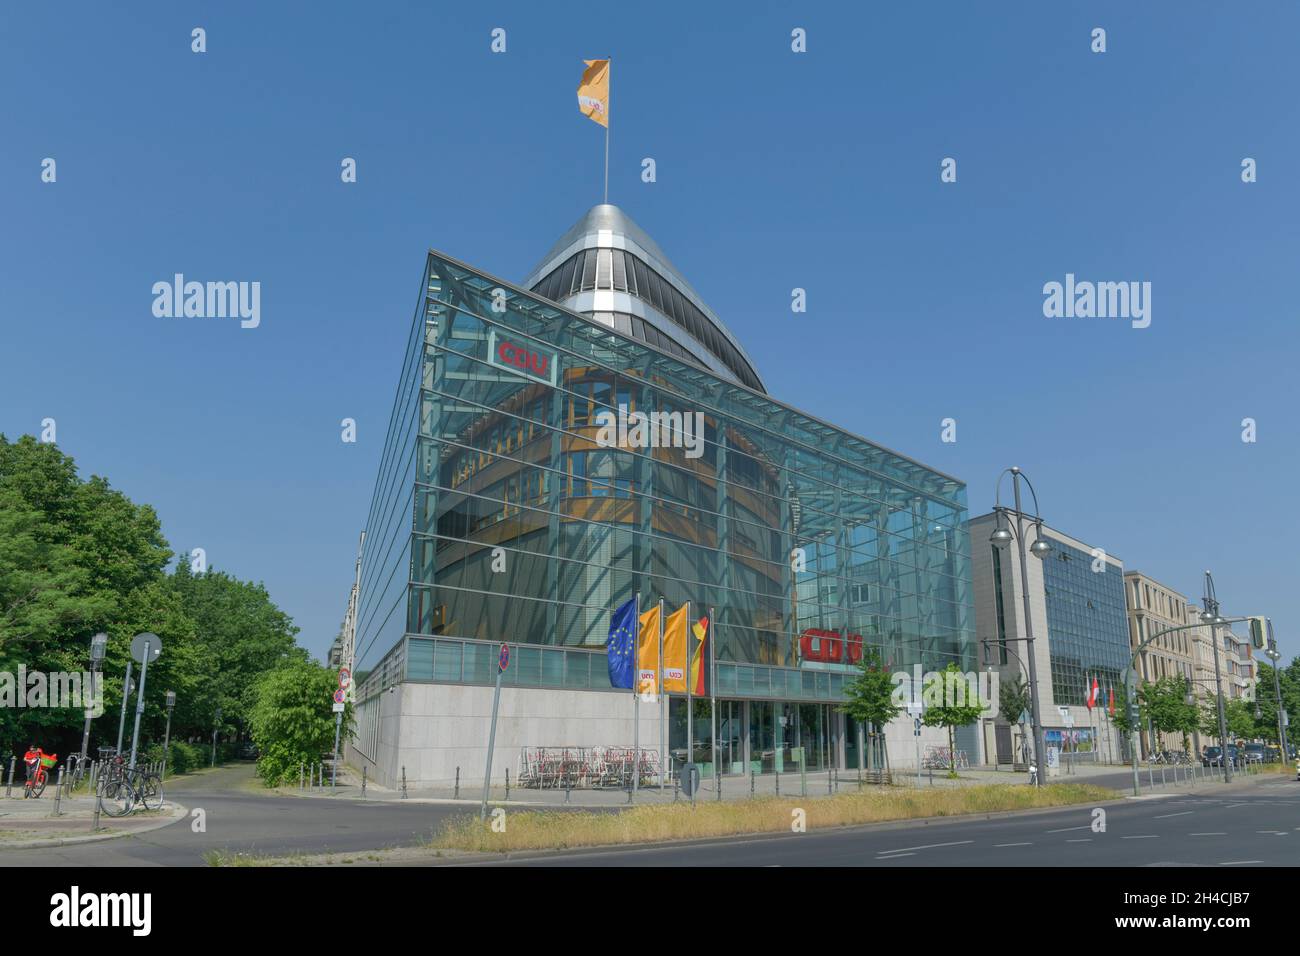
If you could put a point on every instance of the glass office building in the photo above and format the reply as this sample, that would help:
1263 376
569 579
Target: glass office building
517 501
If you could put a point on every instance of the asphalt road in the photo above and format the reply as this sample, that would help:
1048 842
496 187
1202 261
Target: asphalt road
244 821
1256 824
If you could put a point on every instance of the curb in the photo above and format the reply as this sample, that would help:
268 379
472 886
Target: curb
180 813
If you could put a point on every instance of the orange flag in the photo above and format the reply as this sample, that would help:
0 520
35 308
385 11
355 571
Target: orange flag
593 92
675 651
647 653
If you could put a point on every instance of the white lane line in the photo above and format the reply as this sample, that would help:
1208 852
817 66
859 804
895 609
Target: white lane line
928 846
1080 840
1231 805
1214 833
1240 862
1086 826
1165 816
894 856
1030 844
1273 832
1145 836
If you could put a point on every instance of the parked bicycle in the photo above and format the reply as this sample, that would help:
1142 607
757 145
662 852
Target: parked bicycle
121 788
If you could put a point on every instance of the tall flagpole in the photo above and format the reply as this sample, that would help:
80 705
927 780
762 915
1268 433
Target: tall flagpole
663 700
609 118
690 743
710 636
636 695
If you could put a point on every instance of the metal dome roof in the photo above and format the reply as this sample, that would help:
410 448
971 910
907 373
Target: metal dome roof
700 333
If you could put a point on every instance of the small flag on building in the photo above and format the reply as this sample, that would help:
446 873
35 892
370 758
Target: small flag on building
618 647
593 92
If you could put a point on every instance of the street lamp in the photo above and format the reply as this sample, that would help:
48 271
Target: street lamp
98 647
167 734
1001 537
1212 617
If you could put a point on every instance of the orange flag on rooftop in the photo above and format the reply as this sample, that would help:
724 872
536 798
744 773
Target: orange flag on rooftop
593 92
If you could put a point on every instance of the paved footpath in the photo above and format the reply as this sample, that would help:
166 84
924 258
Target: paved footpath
237 818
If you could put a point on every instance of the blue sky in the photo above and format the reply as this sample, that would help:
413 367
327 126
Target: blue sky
775 170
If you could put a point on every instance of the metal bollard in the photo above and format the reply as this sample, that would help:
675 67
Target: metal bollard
94 768
778 779
10 782
363 782
403 781
676 782
828 782
58 792
1151 777
1162 775
94 820
751 781
457 794
301 772
717 779
567 787
507 784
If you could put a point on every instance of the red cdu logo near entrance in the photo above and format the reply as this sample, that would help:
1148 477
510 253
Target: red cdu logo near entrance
829 647
520 355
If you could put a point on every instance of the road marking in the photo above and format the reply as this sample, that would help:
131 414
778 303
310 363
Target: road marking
1273 832
1086 826
1165 816
1080 840
1215 833
1145 836
928 846
1240 862
892 856
1030 844
1231 805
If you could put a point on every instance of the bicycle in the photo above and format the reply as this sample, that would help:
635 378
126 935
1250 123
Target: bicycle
122 787
38 765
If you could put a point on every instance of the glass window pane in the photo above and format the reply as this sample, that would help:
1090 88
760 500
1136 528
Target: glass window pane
447 660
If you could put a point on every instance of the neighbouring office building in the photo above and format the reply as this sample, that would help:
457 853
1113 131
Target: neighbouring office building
1080 629
506 510
1153 608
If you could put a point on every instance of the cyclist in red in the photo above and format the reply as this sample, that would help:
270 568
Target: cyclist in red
36 759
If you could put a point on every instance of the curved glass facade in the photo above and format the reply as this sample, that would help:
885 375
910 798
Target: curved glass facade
507 510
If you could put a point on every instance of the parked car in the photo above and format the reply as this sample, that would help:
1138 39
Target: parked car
1214 756
1255 753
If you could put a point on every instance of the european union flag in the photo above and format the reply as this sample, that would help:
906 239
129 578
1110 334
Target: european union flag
620 647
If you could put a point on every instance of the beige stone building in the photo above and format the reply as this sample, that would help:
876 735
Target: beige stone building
1154 607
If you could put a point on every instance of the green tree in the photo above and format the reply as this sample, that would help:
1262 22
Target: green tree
1169 710
1013 699
952 709
292 718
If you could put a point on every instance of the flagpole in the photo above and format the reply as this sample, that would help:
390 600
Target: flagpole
663 697
636 696
690 742
609 118
710 636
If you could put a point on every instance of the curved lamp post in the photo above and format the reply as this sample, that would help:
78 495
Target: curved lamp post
1002 536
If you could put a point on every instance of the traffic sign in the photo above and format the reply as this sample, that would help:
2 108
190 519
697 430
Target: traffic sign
504 660
340 696
345 677
916 727
1024 717
338 707
138 645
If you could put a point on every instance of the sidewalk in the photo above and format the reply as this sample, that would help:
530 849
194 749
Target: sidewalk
817 783
32 823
